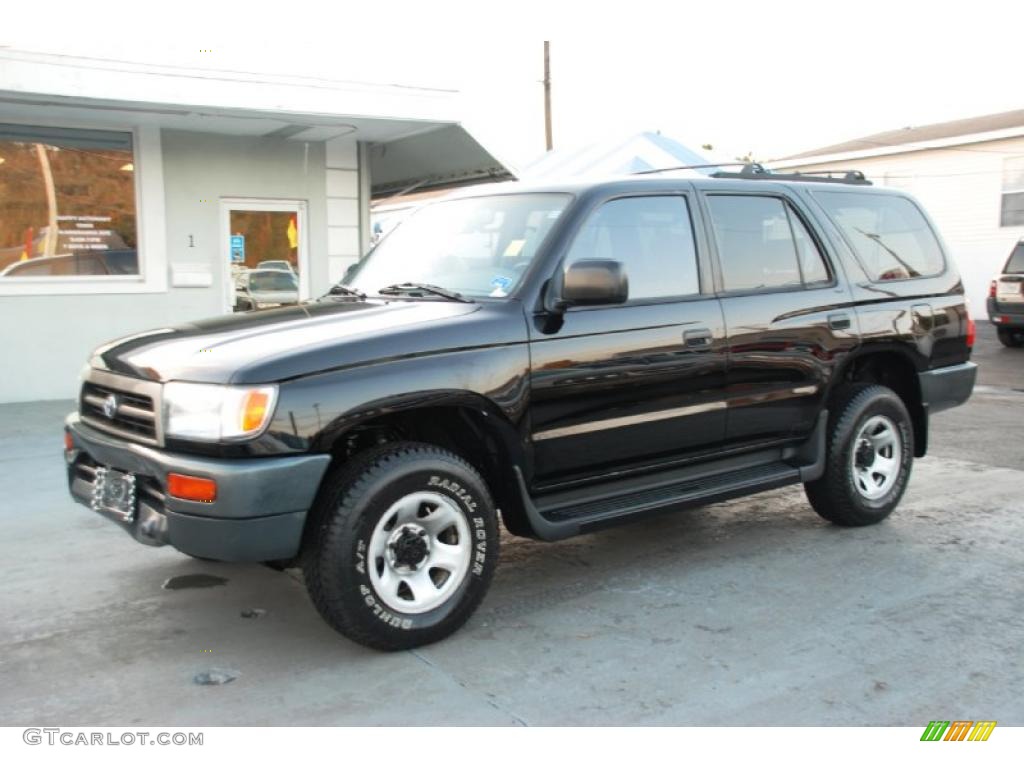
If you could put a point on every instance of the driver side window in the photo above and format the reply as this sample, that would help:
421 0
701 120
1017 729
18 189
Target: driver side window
651 236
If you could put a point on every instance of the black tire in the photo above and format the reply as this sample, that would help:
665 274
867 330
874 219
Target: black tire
836 496
1010 337
352 501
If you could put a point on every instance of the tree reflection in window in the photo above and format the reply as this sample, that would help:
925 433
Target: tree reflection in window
67 203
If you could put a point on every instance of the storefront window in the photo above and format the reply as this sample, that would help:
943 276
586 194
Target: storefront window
67 203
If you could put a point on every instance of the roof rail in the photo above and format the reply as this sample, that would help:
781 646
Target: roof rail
685 168
758 171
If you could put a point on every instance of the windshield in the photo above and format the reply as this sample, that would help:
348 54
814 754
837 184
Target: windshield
272 281
478 246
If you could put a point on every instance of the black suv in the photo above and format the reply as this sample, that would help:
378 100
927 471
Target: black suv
567 357
1006 300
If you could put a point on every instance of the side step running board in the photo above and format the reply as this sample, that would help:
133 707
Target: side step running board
561 515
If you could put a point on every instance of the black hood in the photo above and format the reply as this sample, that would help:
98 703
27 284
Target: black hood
284 343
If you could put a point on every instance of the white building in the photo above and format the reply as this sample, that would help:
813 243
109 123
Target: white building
131 194
968 174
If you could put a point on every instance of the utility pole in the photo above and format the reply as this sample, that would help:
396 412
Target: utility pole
547 95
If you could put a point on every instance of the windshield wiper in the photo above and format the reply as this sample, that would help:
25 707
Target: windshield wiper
343 290
420 288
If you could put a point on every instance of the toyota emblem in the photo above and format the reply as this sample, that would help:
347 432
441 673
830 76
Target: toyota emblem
110 406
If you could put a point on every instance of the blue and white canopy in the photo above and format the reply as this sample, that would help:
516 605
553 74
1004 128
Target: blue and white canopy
640 152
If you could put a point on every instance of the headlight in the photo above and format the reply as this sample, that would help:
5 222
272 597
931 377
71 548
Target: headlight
211 412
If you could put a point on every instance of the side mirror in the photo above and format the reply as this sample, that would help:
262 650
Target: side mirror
592 282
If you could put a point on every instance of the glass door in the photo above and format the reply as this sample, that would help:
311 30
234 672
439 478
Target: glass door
263 249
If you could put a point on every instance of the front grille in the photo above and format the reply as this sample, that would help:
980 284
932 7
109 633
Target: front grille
136 412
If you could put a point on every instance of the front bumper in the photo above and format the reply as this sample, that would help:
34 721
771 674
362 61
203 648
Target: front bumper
1005 314
258 515
947 387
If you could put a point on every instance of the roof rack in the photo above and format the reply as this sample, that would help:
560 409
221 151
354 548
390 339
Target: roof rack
684 168
758 171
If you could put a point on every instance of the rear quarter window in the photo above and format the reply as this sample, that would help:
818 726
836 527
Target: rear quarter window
1015 264
888 233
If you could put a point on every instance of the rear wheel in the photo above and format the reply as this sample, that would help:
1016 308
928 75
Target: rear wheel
1010 337
870 453
402 546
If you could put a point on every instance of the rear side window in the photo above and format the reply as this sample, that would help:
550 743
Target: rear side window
763 245
888 233
1016 263
651 236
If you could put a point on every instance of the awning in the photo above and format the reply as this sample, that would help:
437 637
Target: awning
414 134
435 158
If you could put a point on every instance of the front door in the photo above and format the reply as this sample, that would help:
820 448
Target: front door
263 252
637 383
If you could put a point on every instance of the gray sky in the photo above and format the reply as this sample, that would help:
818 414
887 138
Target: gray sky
774 78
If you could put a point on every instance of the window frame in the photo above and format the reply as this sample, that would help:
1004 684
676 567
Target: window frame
1004 191
856 254
702 276
791 208
150 222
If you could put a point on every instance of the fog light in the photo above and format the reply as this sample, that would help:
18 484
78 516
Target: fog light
191 488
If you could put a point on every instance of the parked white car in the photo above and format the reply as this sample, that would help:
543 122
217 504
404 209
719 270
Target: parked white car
276 264
265 288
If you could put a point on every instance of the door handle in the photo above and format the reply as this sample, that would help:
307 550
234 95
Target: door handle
697 337
839 321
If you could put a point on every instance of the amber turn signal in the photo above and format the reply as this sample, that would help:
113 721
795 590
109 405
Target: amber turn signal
69 442
254 411
191 488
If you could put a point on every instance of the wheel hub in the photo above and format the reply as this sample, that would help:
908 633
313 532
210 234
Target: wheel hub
876 459
408 547
419 552
865 454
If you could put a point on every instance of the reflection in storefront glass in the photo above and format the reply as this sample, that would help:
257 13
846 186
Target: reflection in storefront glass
264 258
67 203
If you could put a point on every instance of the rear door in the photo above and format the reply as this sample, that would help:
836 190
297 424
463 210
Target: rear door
787 314
632 384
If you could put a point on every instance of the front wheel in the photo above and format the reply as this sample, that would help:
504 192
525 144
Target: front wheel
1010 337
870 453
401 547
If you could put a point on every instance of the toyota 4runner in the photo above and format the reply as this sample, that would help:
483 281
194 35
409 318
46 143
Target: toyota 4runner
562 357
1006 300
